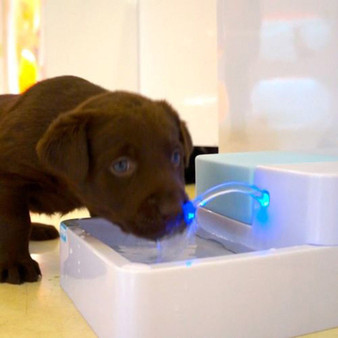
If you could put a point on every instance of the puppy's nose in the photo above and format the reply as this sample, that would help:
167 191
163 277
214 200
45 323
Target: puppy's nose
169 210
168 204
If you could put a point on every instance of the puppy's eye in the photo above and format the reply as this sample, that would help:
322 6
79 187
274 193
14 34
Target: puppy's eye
123 166
176 158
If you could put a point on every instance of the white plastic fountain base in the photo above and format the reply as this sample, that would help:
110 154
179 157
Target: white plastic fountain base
233 282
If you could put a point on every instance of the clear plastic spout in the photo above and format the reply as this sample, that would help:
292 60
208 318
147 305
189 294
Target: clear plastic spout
190 208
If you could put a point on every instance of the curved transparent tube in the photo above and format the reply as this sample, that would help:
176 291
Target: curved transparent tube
190 208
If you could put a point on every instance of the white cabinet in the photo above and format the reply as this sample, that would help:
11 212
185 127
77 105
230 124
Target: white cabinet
160 48
178 61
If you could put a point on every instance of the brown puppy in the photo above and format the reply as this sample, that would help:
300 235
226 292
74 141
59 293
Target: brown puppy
67 143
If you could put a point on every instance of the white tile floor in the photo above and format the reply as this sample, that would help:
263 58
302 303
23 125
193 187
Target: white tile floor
42 309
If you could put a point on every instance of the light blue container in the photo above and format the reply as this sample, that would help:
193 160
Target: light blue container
214 169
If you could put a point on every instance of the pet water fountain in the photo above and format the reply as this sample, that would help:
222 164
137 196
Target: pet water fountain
261 258
261 255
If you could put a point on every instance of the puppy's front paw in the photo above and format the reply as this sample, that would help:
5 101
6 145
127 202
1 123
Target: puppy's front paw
43 232
24 270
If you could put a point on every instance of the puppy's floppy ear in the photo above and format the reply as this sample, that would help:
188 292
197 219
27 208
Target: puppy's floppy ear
63 147
187 142
185 137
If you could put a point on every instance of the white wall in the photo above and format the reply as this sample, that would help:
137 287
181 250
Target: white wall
162 48
2 61
178 61
94 39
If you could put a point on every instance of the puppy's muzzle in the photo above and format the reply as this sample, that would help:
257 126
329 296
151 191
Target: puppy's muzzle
162 215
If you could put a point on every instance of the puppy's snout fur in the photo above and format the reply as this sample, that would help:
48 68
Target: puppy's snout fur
167 208
169 204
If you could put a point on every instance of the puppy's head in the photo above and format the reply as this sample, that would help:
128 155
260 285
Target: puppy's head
123 155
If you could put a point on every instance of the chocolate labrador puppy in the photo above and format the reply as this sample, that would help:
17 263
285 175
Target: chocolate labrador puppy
66 143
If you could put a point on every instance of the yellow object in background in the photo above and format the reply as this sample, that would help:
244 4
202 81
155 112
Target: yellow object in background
22 41
27 37
28 70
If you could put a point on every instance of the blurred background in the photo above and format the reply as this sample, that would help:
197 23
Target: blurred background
246 75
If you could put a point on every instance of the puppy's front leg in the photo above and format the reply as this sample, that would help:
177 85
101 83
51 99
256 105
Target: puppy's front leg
43 232
16 264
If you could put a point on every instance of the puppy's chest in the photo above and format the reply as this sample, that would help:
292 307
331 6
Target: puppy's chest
46 198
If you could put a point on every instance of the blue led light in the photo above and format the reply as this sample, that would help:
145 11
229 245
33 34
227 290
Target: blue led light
264 200
189 211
